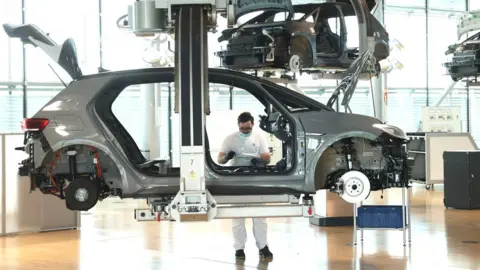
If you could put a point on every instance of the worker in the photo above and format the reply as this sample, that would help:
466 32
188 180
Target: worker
246 148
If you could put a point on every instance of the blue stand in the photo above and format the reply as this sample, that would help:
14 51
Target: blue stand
383 217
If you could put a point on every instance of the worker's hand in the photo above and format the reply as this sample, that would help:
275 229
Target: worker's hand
229 155
258 162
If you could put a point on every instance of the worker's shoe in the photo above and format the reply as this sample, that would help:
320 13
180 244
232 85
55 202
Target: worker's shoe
240 254
265 253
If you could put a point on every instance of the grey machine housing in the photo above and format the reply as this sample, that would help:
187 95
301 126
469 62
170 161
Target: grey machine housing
76 136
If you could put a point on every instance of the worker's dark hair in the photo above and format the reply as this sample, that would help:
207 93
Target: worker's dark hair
245 117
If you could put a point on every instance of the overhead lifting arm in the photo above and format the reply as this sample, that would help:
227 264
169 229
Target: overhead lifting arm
190 20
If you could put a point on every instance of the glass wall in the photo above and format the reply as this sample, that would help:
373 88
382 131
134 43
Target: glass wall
400 24
10 49
74 19
424 31
11 69
474 5
453 5
120 48
404 107
406 3
80 25
442 32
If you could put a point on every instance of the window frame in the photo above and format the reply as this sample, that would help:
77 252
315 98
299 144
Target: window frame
109 93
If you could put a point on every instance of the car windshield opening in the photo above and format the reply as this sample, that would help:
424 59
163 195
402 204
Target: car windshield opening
294 101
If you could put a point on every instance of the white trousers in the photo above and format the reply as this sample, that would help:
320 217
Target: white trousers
240 232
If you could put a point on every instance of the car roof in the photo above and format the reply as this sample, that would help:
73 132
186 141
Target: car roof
328 10
285 95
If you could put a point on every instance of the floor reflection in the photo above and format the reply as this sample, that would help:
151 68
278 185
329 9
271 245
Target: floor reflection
111 239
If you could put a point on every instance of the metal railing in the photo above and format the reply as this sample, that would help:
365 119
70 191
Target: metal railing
22 211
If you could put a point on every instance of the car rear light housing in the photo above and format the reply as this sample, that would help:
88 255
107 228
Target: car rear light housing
34 124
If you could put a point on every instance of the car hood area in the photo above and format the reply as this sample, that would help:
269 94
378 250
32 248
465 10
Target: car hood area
334 123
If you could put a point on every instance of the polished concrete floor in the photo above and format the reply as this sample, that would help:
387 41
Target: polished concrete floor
110 238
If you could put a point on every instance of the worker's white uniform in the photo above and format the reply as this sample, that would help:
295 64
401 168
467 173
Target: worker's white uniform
246 148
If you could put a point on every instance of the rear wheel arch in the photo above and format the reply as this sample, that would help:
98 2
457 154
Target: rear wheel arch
113 163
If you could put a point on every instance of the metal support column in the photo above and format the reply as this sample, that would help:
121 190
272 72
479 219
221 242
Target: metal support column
193 201
378 94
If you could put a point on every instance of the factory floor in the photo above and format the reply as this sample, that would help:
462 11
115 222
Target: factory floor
110 238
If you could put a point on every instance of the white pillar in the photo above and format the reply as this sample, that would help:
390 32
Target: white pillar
385 98
156 138
378 82
147 104
378 94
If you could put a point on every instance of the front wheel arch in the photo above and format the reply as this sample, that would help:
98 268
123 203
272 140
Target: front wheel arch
321 160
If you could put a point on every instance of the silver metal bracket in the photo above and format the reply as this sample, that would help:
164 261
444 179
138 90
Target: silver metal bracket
185 208
193 206
145 215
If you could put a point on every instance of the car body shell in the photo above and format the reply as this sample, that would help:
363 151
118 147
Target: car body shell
75 116
82 132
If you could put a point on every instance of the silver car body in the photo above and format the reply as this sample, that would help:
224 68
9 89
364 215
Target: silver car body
320 144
